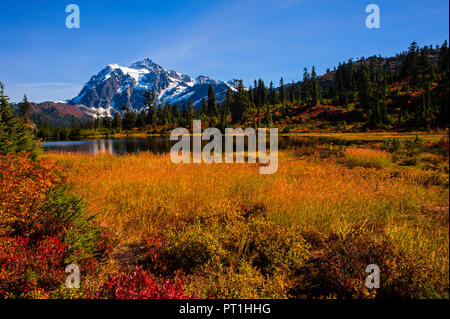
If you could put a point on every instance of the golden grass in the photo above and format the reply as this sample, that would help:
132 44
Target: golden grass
135 194
373 136
367 157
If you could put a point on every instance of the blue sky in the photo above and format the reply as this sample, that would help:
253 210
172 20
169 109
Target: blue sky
250 39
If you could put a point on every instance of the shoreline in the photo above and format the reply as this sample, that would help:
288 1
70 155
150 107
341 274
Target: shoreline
369 136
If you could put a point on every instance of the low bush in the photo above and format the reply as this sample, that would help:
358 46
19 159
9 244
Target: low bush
252 251
189 248
27 267
137 284
338 270
272 247
242 281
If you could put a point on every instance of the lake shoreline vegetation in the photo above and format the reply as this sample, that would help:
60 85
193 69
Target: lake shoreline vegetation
374 190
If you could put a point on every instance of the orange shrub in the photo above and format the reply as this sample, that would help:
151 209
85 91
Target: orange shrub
24 185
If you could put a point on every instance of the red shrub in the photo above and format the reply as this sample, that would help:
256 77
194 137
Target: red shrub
25 266
139 284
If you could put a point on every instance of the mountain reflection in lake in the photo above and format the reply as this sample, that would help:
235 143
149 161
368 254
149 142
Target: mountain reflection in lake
157 145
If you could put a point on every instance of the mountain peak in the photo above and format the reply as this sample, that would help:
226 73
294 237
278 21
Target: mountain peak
147 63
203 79
117 85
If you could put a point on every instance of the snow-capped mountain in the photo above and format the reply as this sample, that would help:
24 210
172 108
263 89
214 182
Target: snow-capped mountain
116 86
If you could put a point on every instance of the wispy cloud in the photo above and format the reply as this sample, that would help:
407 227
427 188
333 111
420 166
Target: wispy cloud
288 3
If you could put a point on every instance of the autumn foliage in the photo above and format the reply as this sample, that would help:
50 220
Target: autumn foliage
138 284
40 230
24 188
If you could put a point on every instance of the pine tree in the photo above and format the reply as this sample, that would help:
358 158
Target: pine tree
141 119
364 87
190 113
240 104
316 95
272 94
75 129
268 117
223 118
282 93
168 117
25 108
409 67
442 91
261 95
176 114
14 136
129 120
149 102
117 122
305 91
159 114
204 108
212 104
250 97
292 93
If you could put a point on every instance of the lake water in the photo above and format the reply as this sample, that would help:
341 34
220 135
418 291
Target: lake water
159 144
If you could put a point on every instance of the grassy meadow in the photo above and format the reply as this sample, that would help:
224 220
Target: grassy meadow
307 231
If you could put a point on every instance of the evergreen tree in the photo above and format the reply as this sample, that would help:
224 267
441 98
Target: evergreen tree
204 107
261 95
268 117
75 129
316 95
190 113
228 100
223 118
117 122
129 120
272 94
240 104
212 104
167 113
305 92
107 122
442 91
292 93
14 136
364 87
409 67
159 114
176 114
141 119
25 108
282 93
149 102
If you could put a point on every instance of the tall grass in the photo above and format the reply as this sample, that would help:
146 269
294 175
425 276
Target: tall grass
135 195
366 157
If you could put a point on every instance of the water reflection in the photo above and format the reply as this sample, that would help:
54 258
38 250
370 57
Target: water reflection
162 144
157 145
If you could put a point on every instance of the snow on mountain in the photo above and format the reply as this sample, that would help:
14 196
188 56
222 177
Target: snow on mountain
117 86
